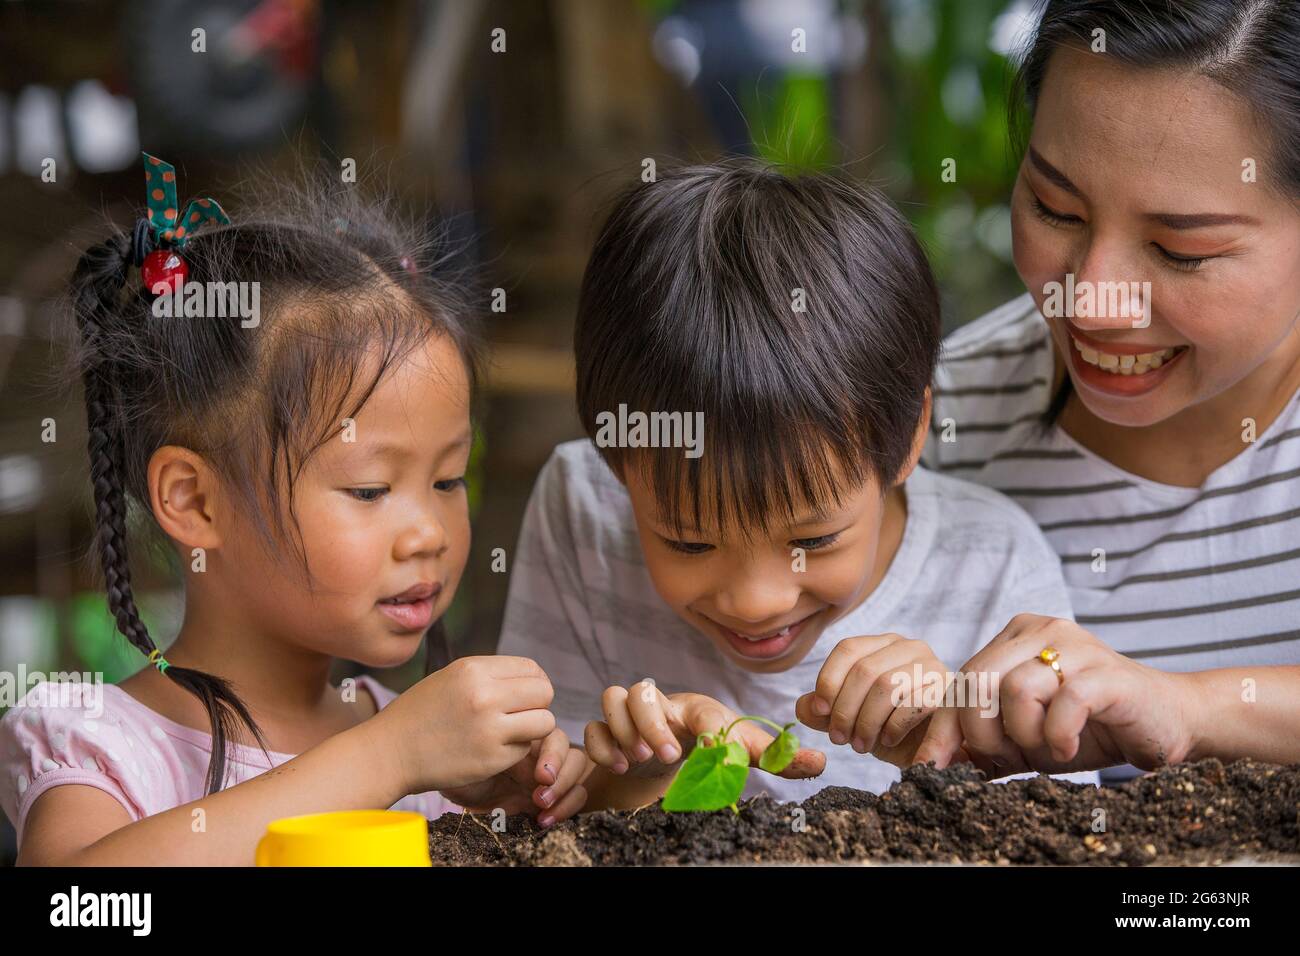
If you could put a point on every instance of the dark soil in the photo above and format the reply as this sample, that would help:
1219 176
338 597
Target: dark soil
1203 813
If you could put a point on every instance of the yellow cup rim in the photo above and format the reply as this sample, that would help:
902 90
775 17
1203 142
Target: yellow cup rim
342 821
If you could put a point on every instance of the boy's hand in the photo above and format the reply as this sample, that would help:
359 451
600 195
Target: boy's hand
857 692
546 784
646 729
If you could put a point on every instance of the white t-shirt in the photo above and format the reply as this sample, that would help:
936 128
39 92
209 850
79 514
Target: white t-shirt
582 604
1192 578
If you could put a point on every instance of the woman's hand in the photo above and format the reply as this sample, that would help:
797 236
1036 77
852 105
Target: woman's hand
546 784
1107 709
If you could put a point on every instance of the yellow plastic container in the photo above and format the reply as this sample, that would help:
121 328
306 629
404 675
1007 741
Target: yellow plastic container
347 838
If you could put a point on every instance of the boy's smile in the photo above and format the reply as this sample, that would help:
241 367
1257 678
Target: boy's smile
765 599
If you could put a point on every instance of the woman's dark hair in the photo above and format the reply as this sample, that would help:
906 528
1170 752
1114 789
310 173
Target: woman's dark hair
347 289
1250 47
691 303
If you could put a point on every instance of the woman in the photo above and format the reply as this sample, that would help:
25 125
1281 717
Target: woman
1141 401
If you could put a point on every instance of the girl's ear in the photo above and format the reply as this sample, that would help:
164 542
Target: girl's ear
918 440
183 494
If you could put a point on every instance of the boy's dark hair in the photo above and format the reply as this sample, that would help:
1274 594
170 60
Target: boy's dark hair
689 303
1250 47
337 276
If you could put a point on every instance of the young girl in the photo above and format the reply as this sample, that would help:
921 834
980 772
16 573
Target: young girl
306 464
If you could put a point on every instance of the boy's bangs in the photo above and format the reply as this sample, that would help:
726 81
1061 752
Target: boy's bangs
750 482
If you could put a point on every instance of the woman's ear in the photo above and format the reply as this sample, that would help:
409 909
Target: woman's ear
918 440
183 494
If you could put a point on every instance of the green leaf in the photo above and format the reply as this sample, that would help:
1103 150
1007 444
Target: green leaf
737 754
779 752
708 780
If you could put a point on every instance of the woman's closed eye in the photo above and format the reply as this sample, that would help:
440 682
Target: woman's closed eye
1171 259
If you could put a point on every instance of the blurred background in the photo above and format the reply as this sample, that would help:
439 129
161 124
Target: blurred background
513 121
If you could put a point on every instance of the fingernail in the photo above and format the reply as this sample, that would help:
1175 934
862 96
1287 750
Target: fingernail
547 797
545 821
669 753
838 737
620 766
859 746
643 751
820 707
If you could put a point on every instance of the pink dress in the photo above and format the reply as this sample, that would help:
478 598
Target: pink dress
101 736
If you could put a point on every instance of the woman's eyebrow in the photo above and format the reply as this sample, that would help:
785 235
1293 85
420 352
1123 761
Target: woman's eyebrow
1199 220
1054 175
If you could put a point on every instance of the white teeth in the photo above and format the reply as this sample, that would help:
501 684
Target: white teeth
1123 364
765 637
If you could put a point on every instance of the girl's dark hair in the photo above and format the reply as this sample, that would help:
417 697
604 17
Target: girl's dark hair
347 288
688 305
1250 47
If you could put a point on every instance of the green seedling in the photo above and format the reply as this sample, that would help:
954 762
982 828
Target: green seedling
714 775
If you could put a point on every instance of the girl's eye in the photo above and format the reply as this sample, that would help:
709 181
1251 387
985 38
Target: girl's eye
814 544
1051 215
688 547
1181 263
367 494
450 484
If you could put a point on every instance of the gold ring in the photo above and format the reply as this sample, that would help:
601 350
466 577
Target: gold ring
1052 658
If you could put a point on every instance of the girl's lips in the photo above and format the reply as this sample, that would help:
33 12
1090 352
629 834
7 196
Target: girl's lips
410 615
767 647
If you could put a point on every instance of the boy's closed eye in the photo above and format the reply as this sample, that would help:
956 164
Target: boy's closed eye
700 547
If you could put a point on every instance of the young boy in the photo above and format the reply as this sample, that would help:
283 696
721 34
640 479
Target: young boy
747 531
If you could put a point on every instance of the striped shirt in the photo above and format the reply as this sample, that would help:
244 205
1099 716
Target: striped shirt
1181 579
583 606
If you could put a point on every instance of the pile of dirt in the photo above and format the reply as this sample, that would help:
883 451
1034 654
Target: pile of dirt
1193 813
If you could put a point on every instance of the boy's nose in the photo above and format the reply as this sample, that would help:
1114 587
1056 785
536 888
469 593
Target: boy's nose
427 537
757 603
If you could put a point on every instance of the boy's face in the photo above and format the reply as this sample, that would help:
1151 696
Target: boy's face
759 602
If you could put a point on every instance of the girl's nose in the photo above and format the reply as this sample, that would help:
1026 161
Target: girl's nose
427 537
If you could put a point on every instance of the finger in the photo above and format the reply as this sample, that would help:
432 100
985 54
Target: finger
837 666
613 704
524 693
505 666
524 728
942 739
603 749
806 763
890 672
1084 696
553 752
1025 694
803 712
568 777
568 805
697 714
645 705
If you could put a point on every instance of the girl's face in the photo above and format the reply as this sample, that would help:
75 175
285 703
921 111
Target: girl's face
760 604
1160 177
384 519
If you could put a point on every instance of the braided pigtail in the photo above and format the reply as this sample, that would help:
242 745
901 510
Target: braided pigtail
99 306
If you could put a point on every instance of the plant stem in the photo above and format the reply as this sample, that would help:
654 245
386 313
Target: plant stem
762 720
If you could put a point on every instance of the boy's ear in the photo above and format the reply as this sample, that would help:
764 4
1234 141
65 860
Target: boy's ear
183 494
918 440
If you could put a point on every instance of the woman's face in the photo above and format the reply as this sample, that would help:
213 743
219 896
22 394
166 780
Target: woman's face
1160 177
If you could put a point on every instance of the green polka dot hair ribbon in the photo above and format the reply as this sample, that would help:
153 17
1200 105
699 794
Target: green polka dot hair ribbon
169 226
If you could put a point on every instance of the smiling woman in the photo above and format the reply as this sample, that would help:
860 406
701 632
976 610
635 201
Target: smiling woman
1158 450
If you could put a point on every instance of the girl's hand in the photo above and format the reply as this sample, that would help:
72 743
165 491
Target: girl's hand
645 729
867 694
1108 710
546 784
465 723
